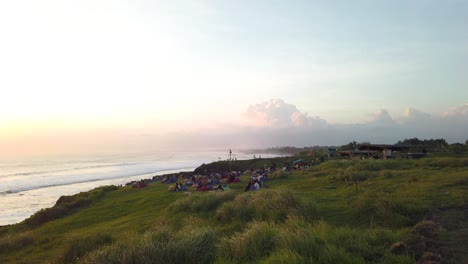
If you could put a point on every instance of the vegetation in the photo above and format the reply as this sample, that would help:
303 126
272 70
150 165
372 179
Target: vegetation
339 211
437 147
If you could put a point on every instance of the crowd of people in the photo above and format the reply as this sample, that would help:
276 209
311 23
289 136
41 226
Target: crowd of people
216 181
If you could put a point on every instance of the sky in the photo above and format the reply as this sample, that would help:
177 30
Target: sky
89 76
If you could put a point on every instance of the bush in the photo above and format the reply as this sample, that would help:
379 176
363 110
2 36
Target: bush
383 209
279 174
15 241
77 247
389 164
423 240
67 205
387 174
161 246
201 202
336 164
264 205
309 210
394 259
286 256
327 244
256 242
446 162
301 237
58 211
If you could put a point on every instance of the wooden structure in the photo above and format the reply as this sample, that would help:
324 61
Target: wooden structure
395 151
364 154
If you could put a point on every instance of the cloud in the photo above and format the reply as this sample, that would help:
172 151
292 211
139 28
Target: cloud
382 118
413 115
268 124
278 123
457 112
275 122
275 113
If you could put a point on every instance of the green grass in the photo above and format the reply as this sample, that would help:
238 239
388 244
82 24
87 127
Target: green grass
341 211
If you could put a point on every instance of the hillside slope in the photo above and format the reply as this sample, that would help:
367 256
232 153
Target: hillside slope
359 211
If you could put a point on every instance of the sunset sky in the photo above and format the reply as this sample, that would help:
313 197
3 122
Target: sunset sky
89 76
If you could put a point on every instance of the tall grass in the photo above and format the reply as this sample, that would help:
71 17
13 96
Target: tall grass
445 162
11 242
77 247
201 202
279 174
299 241
280 224
161 246
394 259
323 242
67 205
265 205
256 242
285 256
384 209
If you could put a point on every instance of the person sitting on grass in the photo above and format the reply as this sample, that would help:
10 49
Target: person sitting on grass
248 186
261 180
232 178
254 185
219 188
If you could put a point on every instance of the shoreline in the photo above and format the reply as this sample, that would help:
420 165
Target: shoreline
48 196
51 194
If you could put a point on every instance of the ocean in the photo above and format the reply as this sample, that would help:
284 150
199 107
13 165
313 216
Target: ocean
26 186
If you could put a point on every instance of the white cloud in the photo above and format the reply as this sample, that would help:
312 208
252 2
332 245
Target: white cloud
459 111
413 115
281 123
275 113
382 118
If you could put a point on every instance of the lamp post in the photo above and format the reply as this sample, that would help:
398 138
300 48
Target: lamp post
230 159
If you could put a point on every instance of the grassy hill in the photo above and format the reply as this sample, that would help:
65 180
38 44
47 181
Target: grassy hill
347 211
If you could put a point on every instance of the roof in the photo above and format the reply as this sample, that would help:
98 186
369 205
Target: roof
381 147
356 152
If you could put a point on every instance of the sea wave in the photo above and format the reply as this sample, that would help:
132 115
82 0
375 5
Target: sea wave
29 173
2 193
92 178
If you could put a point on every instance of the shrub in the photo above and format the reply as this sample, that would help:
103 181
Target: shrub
383 209
362 175
285 256
309 210
67 205
161 246
256 242
446 162
368 244
77 247
379 165
394 259
265 205
328 244
279 174
336 164
301 237
387 174
425 228
56 212
201 201
15 241
340 175
414 178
